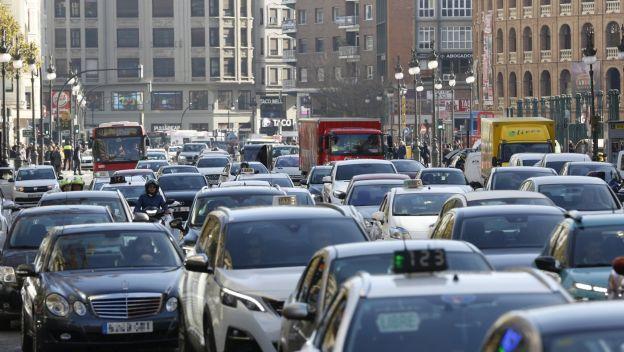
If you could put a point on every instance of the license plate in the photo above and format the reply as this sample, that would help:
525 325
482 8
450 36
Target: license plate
134 327
33 195
180 209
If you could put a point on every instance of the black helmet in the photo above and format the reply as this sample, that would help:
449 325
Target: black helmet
151 182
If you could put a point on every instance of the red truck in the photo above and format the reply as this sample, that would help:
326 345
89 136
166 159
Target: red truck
326 139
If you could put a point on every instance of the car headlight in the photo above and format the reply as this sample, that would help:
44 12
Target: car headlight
57 305
587 287
230 299
19 189
7 274
51 187
172 304
80 308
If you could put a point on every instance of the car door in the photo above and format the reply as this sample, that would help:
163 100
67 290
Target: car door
440 227
328 329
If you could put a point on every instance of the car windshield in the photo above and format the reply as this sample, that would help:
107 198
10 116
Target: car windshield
317 175
112 250
356 144
156 156
114 205
303 198
510 180
258 168
212 162
597 246
35 174
453 322
582 197
346 172
182 183
529 162
556 165
597 340
508 231
419 204
28 231
284 150
253 244
173 149
151 165
610 171
178 169
407 165
450 177
509 149
508 201
117 149
193 147
131 193
98 184
287 162
367 195
204 205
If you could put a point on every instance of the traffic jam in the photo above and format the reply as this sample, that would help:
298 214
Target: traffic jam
326 242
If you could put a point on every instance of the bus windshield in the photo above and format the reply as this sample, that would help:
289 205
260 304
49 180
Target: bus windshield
117 149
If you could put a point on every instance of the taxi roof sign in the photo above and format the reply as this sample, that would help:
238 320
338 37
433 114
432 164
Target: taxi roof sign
417 183
284 200
117 179
248 170
419 261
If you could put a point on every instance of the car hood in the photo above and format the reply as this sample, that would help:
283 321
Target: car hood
511 257
99 282
15 257
189 154
419 227
184 197
210 170
35 183
595 276
367 211
274 283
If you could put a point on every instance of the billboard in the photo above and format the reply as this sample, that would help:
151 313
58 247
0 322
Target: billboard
580 77
271 107
64 107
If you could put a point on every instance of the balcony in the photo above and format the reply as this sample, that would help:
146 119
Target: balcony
528 57
565 9
565 55
348 22
500 58
513 57
349 53
289 26
290 55
588 8
527 12
546 10
289 83
545 56
613 6
513 13
612 53
500 14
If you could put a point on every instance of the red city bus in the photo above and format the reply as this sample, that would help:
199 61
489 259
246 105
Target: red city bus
118 146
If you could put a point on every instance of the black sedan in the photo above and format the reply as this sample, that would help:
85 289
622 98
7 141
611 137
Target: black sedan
106 287
22 242
182 188
113 200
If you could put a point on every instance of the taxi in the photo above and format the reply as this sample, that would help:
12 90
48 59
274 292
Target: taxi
409 212
427 306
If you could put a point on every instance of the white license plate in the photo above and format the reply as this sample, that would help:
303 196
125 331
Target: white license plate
180 209
134 327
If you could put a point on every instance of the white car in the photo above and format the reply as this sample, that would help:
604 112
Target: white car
32 182
86 159
409 213
173 151
211 166
288 164
556 161
525 159
343 171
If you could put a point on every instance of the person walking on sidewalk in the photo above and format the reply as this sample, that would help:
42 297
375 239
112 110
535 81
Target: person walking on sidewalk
55 159
76 161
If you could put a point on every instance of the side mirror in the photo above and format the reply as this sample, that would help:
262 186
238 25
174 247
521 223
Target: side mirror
378 216
177 224
11 180
224 174
327 179
140 217
298 311
303 182
9 205
547 263
26 270
60 177
399 233
198 263
340 195
317 198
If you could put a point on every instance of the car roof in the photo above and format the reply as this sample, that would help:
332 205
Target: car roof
528 155
489 210
194 143
214 155
430 189
36 167
282 213
295 190
361 161
599 220
153 161
483 195
571 163
179 166
59 209
116 226
262 176
447 169
80 194
565 156
322 167
522 168
379 247
248 162
251 190
134 171
554 180
398 182
381 176
288 156
181 174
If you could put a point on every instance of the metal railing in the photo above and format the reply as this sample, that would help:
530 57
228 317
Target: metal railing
565 9
565 54
500 58
613 6
513 57
588 8
546 10
346 21
527 12
612 53
513 13
349 52
545 56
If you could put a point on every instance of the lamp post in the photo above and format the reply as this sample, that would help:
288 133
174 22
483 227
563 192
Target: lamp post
398 76
452 84
414 71
184 112
32 65
5 58
367 102
232 108
589 58
432 64
470 79
438 123
50 76
17 65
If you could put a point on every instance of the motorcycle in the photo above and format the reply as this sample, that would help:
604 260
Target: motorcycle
156 214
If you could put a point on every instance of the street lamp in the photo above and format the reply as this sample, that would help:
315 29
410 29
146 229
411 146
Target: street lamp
432 64
452 84
5 57
589 58
32 65
17 65
367 102
398 76
50 76
414 70
438 123
232 108
470 79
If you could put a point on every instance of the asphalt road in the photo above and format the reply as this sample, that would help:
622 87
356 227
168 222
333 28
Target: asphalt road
10 340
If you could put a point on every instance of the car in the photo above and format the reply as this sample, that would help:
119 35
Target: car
250 261
510 236
7 180
153 165
209 199
331 266
525 159
408 167
583 168
114 201
211 166
314 181
281 180
99 182
31 182
22 241
156 155
86 159
567 327
176 169
109 286
580 252
366 196
147 174
443 177
288 164
439 311
556 161
370 177
409 212
131 189
181 188
472 199
281 149
190 152
511 177
302 195
232 170
343 171
172 152
583 193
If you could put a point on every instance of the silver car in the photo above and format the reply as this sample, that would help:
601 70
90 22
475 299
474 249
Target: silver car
32 182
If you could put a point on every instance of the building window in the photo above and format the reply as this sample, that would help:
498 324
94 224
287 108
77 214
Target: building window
319 45
368 12
127 101
286 44
91 10
166 100
28 98
286 75
76 64
273 47
127 68
456 37
426 8
74 37
164 67
91 37
91 65
456 8
197 8
198 99
272 17
60 38
61 67
370 72
336 43
128 38
59 8
199 126
74 8
127 8
262 46
229 67
425 36
302 17
198 37
163 37
243 37
198 67
215 68
244 98
244 67
243 8
228 36
213 36
273 71
318 15
368 42
228 8
213 8
95 101
225 99
162 8
303 75
302 46
320 74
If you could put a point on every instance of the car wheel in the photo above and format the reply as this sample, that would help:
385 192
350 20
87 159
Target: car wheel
209 339
184 344
27 341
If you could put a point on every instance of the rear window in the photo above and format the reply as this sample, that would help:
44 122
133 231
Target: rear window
115 206
450 177
212 162
346 172
511 180
287 162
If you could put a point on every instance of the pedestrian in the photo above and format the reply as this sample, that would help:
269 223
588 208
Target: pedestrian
76 161
402 150
571 147
424 153
34 156
55 159
67 153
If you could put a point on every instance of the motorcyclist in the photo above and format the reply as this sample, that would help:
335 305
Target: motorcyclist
151 198
77 183
65 185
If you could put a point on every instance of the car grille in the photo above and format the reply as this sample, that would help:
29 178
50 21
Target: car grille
126 306
276 306
35 189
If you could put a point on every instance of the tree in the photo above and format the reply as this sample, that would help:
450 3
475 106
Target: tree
16 41
350 97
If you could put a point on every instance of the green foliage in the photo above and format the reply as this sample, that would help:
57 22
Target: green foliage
16 41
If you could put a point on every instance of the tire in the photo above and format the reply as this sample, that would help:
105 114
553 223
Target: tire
183 343
27 340
209 339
